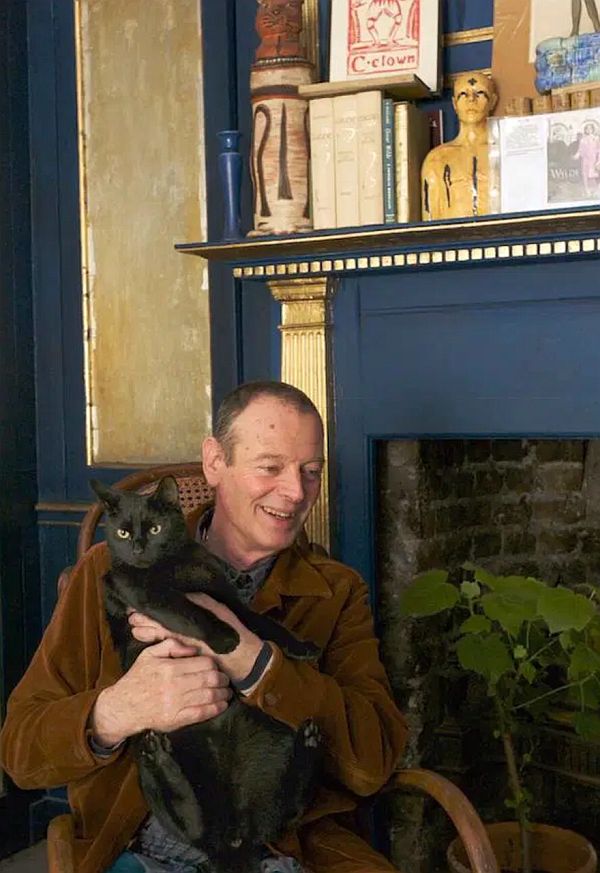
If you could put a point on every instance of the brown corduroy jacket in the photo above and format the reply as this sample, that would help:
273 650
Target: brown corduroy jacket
45 737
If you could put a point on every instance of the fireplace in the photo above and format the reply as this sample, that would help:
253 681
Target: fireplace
513 506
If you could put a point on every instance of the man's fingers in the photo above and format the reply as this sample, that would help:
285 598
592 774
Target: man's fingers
169 648
194 714
207 696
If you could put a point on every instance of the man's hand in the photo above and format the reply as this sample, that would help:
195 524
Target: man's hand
169 686
236 664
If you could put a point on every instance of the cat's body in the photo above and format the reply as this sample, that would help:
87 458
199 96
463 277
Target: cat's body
235 782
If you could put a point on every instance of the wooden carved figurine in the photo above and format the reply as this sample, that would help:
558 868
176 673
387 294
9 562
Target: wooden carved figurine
280 140
455 175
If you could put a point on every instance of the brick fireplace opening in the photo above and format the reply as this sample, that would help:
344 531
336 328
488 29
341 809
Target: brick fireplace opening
524 506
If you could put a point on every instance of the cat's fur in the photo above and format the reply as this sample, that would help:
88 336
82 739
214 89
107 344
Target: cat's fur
230 784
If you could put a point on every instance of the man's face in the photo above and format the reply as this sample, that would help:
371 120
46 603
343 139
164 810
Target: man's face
474 98
265 493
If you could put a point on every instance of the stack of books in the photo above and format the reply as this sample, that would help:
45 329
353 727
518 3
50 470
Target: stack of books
366 156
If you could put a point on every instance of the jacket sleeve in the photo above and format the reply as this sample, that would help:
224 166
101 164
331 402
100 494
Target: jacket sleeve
349 697
45 739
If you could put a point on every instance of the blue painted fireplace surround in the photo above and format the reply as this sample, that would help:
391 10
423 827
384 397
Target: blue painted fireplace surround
504 350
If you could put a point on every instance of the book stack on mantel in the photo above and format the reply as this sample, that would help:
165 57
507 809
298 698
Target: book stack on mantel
366 156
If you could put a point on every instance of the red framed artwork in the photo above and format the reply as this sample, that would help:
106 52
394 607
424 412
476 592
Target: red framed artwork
373 39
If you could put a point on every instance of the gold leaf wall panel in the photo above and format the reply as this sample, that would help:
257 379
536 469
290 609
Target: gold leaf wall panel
146 330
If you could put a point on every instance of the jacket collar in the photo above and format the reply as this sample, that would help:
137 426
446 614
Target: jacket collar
294 573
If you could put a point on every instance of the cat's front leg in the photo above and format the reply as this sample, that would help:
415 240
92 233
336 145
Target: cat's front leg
268 629
178 614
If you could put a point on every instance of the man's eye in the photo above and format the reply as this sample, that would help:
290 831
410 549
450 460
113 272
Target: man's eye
270 468
124 534
155 529
313 472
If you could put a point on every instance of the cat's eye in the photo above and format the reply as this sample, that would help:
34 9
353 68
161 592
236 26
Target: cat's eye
124 534
155 529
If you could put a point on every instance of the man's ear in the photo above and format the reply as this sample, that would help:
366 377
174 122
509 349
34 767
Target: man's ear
110 497
493 101
213 460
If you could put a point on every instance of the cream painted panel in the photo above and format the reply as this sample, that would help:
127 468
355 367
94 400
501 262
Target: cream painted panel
146 330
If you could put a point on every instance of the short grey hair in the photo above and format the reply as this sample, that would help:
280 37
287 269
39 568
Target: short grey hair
241 397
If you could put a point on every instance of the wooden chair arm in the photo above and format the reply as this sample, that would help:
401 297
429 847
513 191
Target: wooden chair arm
61 839
469 826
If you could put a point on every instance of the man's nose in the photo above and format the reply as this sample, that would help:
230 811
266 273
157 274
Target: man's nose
291 485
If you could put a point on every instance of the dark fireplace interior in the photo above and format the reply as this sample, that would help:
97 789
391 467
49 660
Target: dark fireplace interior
524 506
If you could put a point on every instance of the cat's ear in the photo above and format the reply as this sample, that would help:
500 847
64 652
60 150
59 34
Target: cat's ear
167 492
106 495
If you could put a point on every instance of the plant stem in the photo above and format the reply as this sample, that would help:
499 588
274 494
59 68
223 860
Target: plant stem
549 694
515 784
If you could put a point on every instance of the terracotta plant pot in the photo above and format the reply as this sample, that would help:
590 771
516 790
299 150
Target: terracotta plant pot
553 850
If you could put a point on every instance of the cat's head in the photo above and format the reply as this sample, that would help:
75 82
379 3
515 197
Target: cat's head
142 529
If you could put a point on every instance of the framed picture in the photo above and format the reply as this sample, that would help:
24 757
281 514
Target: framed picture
374 39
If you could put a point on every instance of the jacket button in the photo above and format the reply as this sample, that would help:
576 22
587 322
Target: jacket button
270 698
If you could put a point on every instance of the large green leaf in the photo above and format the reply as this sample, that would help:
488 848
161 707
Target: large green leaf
429 594
587 725
476 624
480 574
509 609
564 610
524 588
583 662
487 656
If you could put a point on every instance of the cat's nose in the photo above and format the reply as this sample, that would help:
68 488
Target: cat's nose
137 549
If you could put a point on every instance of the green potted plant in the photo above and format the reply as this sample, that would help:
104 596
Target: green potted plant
532 645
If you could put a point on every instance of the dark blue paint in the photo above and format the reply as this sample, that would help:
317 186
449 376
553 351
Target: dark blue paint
459 353
19 570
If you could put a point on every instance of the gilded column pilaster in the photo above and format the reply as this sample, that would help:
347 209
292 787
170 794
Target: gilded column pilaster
306 363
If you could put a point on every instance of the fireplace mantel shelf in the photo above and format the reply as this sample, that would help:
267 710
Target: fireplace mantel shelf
560 233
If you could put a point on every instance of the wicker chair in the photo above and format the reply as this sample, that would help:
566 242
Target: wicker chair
194 490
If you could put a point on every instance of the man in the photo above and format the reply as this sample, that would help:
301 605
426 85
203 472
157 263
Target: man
70 716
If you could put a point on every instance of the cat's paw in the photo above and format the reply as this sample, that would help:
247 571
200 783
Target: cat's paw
311 734
224 640
300 650
156 745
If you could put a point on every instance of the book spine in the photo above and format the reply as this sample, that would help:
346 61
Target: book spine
346 161
401 152
322 163
370 157
389 174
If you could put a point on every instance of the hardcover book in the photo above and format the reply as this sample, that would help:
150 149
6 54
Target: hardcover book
370 157
322 163
413 141
345 117
379 38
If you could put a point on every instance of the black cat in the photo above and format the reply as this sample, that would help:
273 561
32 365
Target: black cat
233 783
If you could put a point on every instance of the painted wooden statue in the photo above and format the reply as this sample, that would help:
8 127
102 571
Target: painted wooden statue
455 175
280 141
